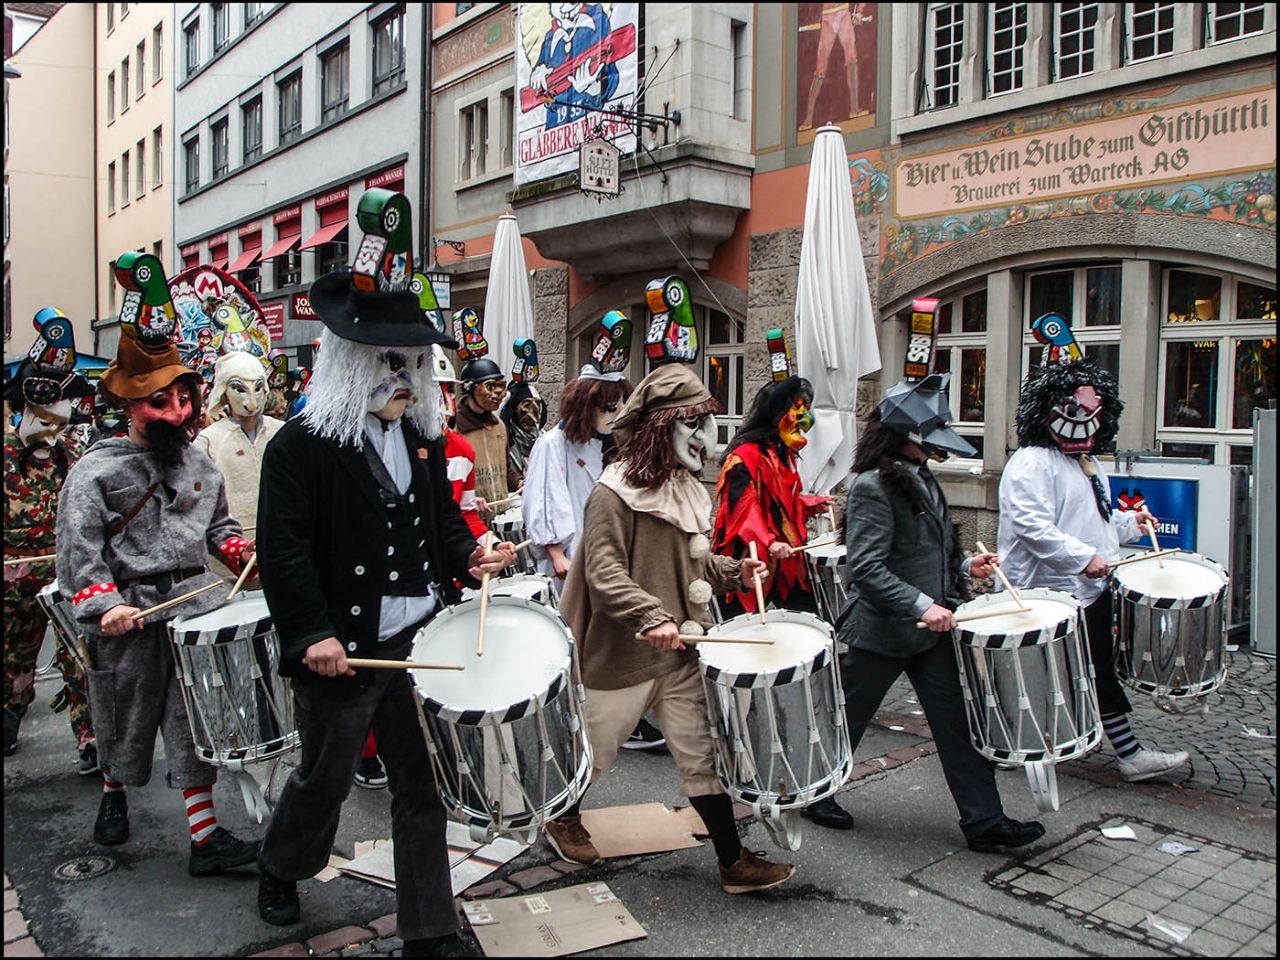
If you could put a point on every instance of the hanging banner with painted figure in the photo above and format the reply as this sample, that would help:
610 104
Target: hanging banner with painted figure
573 60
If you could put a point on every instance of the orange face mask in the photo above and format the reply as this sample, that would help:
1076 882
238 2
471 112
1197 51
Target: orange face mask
795 423
173 404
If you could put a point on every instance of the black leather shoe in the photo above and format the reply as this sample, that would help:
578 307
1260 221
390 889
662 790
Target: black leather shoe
450 945
1006 834
112 826
221 851
277 899
828 813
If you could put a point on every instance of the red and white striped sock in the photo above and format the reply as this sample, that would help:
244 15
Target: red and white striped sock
110 786
200 816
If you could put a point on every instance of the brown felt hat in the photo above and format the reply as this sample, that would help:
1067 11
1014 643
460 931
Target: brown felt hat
138 371
671 385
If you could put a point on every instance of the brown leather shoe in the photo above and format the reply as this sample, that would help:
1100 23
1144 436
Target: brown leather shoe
751 874
569 838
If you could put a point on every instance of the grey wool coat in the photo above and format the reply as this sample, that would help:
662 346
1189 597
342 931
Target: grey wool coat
900 545
181 522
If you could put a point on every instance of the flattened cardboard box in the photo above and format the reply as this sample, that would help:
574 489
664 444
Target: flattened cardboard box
552 924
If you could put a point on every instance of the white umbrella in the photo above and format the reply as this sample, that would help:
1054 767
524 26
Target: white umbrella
508 308
835 327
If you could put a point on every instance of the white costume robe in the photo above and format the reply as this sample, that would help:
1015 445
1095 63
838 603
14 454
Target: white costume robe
558 479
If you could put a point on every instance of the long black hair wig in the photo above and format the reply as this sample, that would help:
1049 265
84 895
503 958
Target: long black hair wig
771 402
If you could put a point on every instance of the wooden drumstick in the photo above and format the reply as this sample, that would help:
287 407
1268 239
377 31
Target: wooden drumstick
1143 556
182 599
751 549
14 561
818 543
513 497
487 543
1003 579
244 575
1151 529
401 664
702 638
524 543
965 618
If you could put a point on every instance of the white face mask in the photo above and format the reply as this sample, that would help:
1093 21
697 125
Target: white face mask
694 440
605 419
395 383
247 397
44 424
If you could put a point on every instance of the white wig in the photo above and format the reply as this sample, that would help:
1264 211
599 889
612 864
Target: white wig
346 373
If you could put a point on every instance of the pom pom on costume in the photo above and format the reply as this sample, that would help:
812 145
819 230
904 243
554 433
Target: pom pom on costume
699 546
699 592
692 628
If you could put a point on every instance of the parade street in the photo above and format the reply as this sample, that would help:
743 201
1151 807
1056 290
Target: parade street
901 883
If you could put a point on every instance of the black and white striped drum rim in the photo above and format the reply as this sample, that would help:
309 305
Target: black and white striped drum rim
228 634
1176 603
776 678
1050 633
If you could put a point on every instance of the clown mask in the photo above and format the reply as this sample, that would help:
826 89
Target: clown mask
393 391
795 423
694 439
606 417
1074 420
43 426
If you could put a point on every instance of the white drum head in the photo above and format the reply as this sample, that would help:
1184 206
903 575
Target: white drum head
510 519
828 556
535 586
1043 613
248 607
799 638
1184 576
50 589
526 647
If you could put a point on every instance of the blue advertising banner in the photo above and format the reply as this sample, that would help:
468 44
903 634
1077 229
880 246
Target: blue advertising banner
1173 502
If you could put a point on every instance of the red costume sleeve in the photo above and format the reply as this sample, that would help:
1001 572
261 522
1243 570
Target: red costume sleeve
456 448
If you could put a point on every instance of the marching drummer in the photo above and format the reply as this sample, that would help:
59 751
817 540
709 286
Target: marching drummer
904 566
362 542
137 520
1058 529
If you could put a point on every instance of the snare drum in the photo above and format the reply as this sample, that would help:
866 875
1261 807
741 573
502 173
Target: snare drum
826 574
1172 626
534 586
1028 684
506 736
240 708
509 526
65 626
777 717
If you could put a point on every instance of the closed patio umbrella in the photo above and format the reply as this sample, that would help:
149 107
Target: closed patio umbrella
508 307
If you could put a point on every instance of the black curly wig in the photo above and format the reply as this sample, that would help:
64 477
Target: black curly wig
1046 386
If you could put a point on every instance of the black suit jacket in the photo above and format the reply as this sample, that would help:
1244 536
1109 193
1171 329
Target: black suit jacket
322 539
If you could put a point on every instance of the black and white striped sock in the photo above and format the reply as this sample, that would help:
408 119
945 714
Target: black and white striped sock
1123 740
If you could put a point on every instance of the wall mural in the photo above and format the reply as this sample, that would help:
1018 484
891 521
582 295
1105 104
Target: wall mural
835 67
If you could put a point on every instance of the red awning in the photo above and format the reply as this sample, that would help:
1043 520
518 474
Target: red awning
281 246
245 260
218 262
324 235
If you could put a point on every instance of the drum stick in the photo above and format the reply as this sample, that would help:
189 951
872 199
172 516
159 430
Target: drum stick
14 561
965 618
514 496
484 598
751 549
1142 556
401 664
524 543
702 638
182 599
831 512
818 543
1003 579
1151 529
244 575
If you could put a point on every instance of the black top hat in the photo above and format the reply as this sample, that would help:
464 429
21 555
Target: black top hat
382 318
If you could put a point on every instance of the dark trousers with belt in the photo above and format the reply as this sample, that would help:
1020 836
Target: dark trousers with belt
334 719
1102 651
867 678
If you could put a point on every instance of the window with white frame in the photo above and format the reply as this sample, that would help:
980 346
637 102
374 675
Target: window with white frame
724 373
388 51
1074 38
191 41
191 158
124 179
111 16
1217 364
1231 21
141 91
221 26
157 154
473 140
1006 47
221 148
111 187
960 349
252 14
333 82
289 97
157 52
507 126
141 150
124 84
111 96
1148 31
1088 298
251 128
943 50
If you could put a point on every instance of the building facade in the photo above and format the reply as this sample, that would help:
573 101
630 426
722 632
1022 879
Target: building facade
49 179
132 142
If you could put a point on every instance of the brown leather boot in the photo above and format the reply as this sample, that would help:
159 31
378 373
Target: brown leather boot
569 838
751 874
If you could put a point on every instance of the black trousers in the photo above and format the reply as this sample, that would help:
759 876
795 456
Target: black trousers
935 677
334 721
1102 651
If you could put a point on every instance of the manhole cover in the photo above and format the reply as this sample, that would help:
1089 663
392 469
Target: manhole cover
83 868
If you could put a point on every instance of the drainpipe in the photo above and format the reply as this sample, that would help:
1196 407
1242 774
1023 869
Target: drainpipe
97 262
424 141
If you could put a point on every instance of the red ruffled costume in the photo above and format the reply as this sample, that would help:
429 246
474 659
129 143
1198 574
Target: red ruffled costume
758 498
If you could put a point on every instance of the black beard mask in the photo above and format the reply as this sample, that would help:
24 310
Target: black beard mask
167 442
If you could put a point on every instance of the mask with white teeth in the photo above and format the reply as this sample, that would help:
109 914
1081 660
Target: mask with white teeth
1074 420
694 439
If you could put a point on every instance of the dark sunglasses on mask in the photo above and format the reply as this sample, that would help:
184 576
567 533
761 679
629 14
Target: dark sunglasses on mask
44 391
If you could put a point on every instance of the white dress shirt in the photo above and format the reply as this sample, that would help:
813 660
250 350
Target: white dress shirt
558 479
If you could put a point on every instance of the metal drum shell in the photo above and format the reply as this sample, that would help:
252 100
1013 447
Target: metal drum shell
826 566
1173 648
66 628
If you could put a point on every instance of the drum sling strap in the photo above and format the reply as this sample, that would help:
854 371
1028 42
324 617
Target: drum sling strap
118 526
